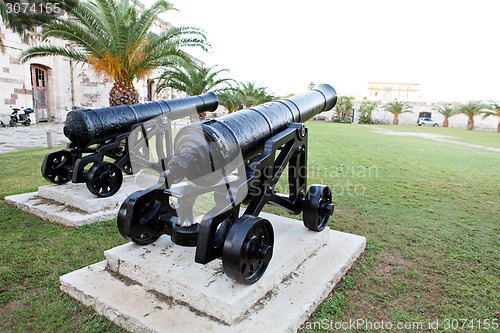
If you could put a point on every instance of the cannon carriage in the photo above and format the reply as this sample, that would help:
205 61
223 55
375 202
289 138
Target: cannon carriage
99 150
238 160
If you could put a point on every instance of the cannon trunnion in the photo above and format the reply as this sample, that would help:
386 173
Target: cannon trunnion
236 161
98 152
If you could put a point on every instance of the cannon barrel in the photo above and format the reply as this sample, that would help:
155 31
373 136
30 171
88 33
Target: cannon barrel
86 127
245 131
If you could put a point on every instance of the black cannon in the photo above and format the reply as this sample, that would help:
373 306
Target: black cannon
98 151
237 161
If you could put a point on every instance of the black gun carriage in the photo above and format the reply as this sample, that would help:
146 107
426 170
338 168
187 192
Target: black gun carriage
98 152
237 158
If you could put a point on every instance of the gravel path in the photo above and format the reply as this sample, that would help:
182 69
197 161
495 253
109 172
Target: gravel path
30 137
437 137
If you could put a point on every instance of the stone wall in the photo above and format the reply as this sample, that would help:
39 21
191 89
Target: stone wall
14 78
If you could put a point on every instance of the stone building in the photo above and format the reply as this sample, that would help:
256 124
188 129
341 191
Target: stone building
53 86
383 92
389 91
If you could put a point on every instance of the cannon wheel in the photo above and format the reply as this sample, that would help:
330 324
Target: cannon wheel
248 249
104 179
56 166
317 207
148 214
144 239
139 217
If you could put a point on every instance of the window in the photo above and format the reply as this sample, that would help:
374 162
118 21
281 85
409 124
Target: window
39 77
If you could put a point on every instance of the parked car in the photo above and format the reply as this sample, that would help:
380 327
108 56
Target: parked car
325 118
426 122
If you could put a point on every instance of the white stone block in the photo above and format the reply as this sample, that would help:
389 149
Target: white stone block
72 204
79 197
283 306
169 270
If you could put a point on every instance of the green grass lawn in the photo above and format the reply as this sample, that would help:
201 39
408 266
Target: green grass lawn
430 211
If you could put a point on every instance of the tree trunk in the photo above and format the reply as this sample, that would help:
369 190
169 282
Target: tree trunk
123 93
470 124
445 122
498 127
395 121
194 118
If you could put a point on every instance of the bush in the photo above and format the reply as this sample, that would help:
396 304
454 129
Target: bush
346 120
366 108
365 119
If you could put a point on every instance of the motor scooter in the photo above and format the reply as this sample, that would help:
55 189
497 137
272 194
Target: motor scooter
23 118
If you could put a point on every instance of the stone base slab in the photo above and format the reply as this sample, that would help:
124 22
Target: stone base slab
289 291
214 294
78 196
72 204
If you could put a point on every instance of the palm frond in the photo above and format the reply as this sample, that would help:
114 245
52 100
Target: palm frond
471 109
397 107
48 50
114 38
191 78
446 111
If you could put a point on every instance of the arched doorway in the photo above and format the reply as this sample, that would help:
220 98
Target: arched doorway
39 82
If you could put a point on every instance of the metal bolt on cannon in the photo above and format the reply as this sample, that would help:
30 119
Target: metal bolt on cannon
236 161
96 135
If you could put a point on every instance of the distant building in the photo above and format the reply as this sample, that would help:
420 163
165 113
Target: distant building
390 91
53 86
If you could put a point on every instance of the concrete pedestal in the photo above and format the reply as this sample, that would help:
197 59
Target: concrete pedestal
72 204
159 287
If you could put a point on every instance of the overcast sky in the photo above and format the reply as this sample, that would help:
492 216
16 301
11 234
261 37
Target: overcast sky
450 48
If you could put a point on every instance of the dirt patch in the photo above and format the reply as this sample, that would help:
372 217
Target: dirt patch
388 262
8 310
11 306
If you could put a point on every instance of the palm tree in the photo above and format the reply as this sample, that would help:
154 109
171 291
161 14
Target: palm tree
251 94
193 79
397 108
230 99
495 111
446 112
471 110
114 38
